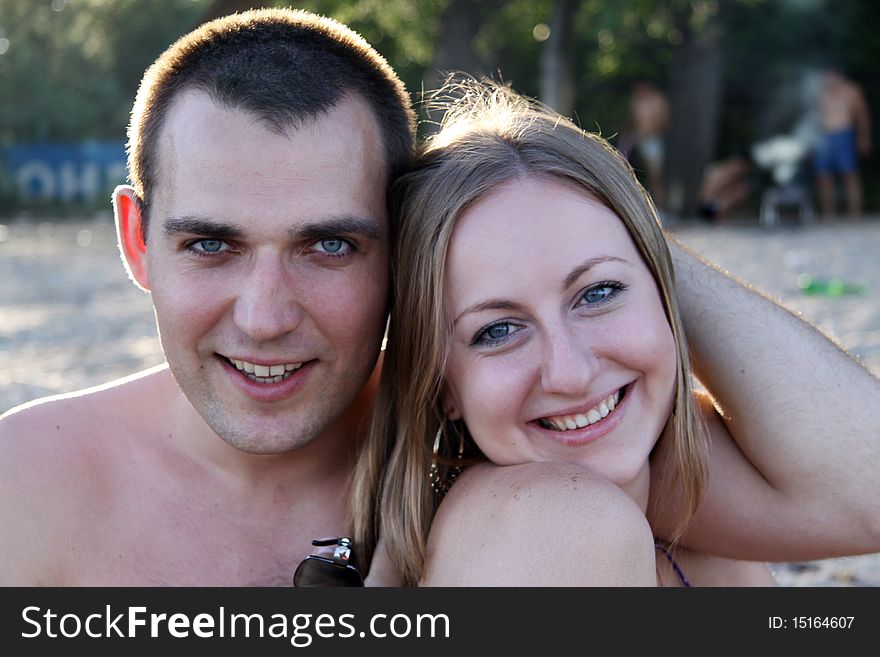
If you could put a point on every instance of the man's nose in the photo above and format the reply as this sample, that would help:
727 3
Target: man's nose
569 364
267 304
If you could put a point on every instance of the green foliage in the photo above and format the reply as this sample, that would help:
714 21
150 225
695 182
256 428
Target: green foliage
69 70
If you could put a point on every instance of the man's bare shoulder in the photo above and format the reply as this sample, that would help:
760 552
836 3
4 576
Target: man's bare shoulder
85 412
65 433
54 454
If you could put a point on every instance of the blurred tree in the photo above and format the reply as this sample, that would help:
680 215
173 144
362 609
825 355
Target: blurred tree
557 58
694 93
69 70
460 24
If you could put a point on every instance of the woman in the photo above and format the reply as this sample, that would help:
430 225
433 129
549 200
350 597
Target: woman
534 321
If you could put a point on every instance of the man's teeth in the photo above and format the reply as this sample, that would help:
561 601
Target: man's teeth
581 420
265 373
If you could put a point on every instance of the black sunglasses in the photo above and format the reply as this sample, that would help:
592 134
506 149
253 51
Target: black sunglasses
316 570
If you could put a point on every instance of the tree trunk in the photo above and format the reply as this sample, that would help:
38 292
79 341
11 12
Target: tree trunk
455 50
695 95
557 63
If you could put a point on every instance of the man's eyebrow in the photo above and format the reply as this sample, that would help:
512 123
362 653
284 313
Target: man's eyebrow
491 304
368 228
200 226
365 227
585 266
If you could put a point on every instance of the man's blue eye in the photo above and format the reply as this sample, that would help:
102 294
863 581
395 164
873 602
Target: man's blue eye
210 246
334 246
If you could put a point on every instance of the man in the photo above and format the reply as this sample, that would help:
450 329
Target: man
261 146
846 135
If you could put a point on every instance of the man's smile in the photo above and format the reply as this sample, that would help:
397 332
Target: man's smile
265 373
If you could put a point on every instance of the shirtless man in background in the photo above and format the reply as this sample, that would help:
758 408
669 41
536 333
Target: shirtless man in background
846 134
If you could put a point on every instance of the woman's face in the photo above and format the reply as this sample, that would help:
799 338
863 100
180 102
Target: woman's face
561 350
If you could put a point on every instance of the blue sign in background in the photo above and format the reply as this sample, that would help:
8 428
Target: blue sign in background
64 172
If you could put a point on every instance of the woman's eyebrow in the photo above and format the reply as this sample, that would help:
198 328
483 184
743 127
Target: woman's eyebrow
571 279
586 265
490 304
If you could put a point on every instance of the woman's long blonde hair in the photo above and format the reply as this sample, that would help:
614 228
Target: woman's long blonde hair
489 135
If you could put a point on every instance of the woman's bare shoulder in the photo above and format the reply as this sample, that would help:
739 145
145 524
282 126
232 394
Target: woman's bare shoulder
532 525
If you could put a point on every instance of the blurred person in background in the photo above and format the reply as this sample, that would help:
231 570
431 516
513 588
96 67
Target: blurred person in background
649 119
845 136
725 186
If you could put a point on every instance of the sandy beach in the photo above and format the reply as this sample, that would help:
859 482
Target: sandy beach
69 318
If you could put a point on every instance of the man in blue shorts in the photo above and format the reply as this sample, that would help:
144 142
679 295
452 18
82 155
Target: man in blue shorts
846 134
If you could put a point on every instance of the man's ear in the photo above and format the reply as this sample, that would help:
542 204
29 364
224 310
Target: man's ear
129 232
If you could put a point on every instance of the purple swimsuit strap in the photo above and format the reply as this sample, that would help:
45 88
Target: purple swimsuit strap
675 567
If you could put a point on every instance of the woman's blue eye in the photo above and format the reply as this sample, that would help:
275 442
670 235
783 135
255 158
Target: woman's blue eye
602 293
597 294
498 331
495 334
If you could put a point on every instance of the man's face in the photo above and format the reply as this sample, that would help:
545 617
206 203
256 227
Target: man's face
267 261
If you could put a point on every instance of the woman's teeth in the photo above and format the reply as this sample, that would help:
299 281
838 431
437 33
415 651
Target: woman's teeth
265 373
581 420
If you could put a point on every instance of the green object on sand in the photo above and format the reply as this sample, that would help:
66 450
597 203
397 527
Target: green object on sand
829 287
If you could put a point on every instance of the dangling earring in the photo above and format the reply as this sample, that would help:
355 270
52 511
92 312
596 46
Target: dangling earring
442 486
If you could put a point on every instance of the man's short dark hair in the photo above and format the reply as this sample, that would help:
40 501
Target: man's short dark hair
283 66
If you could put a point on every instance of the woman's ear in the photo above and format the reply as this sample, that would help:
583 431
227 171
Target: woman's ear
449 403
129 232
